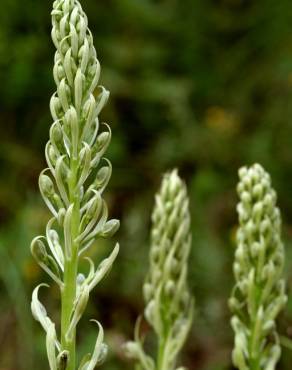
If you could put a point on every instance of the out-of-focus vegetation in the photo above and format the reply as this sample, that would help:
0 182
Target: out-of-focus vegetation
202 85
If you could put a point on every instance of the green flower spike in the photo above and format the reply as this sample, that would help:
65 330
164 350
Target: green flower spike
169 306
259 293
73 184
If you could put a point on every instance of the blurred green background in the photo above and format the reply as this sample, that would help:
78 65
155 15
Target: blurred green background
202 85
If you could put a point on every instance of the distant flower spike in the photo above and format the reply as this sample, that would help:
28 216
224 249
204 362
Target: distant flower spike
259 293
73 154
169 306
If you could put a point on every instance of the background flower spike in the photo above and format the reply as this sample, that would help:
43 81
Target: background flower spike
169 305
259 293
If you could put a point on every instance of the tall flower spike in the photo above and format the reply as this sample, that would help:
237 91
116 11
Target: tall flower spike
169 306
72 186
259 292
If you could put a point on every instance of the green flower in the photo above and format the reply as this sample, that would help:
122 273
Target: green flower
169 305
259 292
73 184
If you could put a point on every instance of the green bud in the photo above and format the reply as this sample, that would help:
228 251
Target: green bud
55 107
38 250
56 134
103 176
52 155
258 191
46 185
257 211
149 311
242 173
95 205
103 140
110 228
170 288
246 197
132 349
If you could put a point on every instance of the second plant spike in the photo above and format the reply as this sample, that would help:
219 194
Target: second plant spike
259 293
169 305
72 186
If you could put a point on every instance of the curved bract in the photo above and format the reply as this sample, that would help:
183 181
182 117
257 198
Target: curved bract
73 184
169 306
259 292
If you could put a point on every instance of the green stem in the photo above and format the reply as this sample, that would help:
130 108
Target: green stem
68 298
161 355
254 354
255 329
162 360
70 273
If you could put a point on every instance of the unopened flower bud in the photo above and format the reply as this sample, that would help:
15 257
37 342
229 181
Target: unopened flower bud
103 140
102 176
56 134
110 228
257 191
38 250
242 172
95 205
46 185
149 311
257 211
170 288
132 349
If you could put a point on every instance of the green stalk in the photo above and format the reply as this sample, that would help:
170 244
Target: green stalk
253 342
254 354
161 358
68 295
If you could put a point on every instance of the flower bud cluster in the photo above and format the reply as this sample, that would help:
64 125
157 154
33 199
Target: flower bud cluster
169 305
259 293
72 186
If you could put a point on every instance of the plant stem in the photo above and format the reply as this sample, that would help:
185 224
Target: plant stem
162 361
70 271
161 355
68 298
254 346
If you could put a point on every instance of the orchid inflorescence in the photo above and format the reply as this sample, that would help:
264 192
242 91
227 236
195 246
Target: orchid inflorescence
73 184
259 293
169 305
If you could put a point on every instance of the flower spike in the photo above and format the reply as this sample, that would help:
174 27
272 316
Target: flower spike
73 184
169 305
259 292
